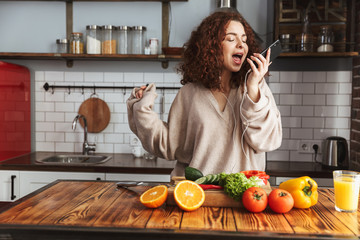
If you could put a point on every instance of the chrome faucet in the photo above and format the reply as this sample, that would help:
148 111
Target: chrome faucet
87 147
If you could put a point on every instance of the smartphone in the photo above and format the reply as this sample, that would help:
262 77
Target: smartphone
275 50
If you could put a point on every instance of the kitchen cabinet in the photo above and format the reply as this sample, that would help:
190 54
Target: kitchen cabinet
17 184
9 186
69 58
33 180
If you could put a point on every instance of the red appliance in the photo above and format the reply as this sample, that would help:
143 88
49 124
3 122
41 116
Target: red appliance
15 116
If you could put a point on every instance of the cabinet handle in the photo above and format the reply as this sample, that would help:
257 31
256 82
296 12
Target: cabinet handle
98 179
12 197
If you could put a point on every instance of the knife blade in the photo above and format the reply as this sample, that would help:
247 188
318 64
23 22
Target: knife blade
126 184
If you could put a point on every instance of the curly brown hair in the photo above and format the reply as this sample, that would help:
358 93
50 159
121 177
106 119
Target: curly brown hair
203 57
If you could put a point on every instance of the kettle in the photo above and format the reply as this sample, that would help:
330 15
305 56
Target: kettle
335 154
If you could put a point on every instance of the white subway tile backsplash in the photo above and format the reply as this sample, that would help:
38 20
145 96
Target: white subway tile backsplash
133 78
64 147
95 77
302 111
39 76
274 76
290 99
338 100
115 77
278 155
321 134
153 77
280 87
291 122
324 111
301 133
314 100
53 76
75 77
54 137
64 107
337 123
291 76
314 77
338 76
326 88
303 88
313 122
345 88
45 146
344 111
345 133
54 117
313 105
44 106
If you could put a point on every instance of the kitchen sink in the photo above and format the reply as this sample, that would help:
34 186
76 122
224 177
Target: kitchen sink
75 159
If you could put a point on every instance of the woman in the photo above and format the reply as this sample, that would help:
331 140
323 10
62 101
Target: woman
224 118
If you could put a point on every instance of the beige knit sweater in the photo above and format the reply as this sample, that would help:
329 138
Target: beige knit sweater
199 135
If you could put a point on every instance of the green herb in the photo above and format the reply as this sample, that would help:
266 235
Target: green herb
235 184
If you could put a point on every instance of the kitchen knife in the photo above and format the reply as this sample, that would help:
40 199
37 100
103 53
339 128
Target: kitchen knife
126 184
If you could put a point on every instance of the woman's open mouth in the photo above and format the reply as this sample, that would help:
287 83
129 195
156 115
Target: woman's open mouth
237 58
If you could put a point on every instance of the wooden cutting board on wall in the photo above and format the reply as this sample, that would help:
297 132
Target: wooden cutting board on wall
97 114
213 197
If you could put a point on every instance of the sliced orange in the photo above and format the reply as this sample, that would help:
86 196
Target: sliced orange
154 197
188 195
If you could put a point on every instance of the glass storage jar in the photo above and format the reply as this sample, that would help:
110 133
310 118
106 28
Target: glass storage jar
123 39
138 39
325 39
108 45
93 39
76 43
62 46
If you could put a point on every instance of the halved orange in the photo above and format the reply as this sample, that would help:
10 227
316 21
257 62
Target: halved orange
154 197
188 195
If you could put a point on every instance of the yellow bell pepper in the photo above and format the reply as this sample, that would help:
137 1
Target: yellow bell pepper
303 190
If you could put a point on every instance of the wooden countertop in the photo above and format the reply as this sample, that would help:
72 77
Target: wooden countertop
99 210
126 163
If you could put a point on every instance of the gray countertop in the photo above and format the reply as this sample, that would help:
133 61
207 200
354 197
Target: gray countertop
126 163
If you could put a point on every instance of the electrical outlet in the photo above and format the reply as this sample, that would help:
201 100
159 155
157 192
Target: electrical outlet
306 146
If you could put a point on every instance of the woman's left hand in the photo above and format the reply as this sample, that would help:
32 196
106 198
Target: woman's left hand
257 73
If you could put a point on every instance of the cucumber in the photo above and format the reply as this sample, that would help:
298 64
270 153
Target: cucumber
201 180
192 173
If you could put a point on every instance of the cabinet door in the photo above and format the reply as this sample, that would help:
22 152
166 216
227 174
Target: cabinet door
9 186
31 181
138 177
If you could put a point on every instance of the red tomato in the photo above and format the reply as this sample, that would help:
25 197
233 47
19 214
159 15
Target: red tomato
255 199
280 201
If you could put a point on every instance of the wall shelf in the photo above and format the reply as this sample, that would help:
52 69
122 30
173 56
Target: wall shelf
69 58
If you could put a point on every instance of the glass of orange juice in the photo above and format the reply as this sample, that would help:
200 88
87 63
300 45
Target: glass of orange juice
346 187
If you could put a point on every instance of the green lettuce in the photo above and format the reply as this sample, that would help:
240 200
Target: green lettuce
235 184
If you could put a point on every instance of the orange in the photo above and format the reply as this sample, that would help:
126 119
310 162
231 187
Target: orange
154 197
188 195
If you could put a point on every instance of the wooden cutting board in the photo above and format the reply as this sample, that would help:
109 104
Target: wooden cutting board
97 114
213 197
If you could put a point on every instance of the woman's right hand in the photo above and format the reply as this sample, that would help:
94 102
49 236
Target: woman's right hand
139 92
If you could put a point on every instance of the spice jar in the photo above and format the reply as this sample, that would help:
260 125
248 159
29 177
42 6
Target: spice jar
76 43
108 45
138 39
325 39
93 42
154 45
62 46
